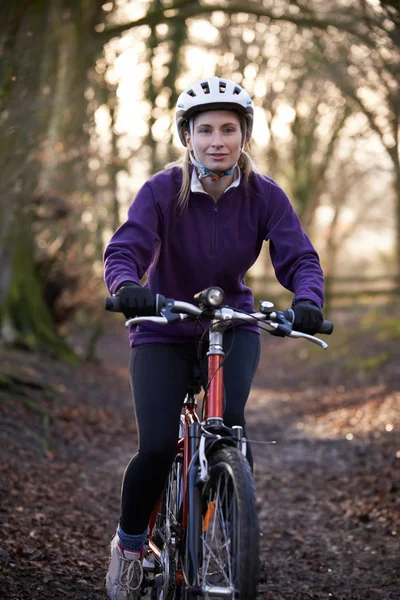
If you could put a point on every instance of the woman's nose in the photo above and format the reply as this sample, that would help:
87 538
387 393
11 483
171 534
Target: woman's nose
217 139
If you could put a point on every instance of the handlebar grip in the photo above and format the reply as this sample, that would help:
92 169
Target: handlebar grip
327 328
112 304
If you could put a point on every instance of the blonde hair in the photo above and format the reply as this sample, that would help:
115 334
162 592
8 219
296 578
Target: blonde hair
245 164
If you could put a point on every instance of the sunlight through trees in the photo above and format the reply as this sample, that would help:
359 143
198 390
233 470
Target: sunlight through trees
87 96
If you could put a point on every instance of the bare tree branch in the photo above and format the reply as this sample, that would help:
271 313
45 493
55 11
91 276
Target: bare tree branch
181 10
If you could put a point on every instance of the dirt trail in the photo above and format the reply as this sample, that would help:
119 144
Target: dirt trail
329 505
329 513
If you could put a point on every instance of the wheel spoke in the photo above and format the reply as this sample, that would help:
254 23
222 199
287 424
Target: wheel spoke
217 542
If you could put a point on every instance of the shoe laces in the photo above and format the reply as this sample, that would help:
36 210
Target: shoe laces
134 575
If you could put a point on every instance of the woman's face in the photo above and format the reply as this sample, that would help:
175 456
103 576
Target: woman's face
217 136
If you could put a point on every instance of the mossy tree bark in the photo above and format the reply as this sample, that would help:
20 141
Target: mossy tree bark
46 52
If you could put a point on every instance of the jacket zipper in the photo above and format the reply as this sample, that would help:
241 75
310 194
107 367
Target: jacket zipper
214 245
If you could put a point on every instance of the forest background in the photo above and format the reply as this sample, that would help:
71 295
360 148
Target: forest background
87 97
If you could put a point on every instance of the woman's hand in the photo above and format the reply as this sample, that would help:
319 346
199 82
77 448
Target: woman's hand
308 317
136 300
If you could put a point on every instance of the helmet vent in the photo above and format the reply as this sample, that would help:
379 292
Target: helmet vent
205 87
191 93
237 91
222 87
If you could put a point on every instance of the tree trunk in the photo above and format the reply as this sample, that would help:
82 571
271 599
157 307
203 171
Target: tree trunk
45 59
397 200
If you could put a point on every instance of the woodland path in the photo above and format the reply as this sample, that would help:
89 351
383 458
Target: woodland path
328 488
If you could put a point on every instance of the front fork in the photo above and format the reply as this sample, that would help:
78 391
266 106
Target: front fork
241 441
193 539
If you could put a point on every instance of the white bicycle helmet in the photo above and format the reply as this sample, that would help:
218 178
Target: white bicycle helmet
213 93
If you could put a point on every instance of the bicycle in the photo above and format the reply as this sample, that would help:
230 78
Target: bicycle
203 539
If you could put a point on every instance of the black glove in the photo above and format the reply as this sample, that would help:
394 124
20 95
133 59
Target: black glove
307 317
136 300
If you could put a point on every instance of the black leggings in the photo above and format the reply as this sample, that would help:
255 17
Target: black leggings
159 377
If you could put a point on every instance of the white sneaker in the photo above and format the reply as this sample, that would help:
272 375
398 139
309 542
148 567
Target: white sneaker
125 573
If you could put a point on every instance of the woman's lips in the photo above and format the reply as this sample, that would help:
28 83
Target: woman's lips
217 156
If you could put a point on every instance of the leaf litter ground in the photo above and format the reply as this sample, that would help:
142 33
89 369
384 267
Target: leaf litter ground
328 488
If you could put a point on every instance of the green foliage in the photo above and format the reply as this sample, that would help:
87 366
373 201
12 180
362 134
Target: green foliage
370 363
387 327
390 330
365 346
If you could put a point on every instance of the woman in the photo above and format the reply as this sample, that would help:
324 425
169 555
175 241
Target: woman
201 222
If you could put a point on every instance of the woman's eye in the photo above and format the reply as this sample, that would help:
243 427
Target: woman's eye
204 130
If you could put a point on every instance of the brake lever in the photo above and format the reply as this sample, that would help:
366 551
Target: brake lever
282 325
310 338
166 311
136 320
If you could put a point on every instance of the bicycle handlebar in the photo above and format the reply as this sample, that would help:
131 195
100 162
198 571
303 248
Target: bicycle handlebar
182 310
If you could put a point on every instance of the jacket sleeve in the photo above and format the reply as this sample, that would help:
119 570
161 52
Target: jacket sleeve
133 246
295 261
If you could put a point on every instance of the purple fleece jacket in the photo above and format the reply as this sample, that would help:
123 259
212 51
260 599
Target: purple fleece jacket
209 244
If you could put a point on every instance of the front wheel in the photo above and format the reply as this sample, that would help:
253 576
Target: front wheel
230 528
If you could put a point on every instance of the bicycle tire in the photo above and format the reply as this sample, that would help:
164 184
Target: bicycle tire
230 525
